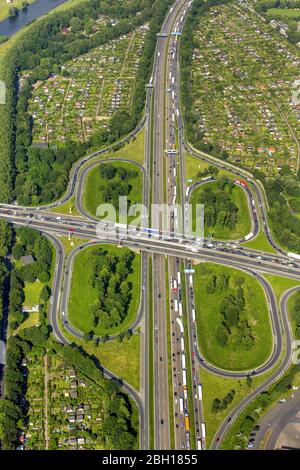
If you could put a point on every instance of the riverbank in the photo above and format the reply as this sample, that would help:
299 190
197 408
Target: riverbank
10 27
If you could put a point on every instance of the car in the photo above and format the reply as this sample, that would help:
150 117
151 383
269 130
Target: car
161 421
251 440
249 446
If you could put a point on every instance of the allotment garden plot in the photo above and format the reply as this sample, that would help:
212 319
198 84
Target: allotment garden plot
89 91
243 74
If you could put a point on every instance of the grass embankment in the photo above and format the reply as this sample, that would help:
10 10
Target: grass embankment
83 295
237 197
95 186
232 356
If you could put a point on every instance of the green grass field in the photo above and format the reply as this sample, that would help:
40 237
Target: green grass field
32 293
4 7
82 295
93 194
231 357
260 242
134 150
243 225
123 359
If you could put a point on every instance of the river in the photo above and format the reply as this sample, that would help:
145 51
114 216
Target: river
10 26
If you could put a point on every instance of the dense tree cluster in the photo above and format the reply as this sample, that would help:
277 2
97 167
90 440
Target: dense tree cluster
28 242
109 277
234 328
116 182
12 408
259 405
219 209
119 427
42 174
209 171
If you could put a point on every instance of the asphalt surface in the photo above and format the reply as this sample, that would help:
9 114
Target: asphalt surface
163 112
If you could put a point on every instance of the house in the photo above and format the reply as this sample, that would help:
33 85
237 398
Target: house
27 259
73 394
80 440
73 384
33 308
72 374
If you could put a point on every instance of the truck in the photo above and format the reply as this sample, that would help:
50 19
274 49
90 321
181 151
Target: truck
293 255
175 305
175 285
199 392
180 309
203 430
184 382
178 277
250 235
187 422
181 405
183 362
180 324
181 340
187 191
191 280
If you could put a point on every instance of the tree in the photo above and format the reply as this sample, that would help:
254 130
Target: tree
249 381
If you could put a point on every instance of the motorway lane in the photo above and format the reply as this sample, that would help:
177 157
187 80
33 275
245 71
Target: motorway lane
164 138
224 255
79 191
242 174
285 363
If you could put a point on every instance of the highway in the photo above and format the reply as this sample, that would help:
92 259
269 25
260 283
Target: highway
274 422
284 364
171 250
